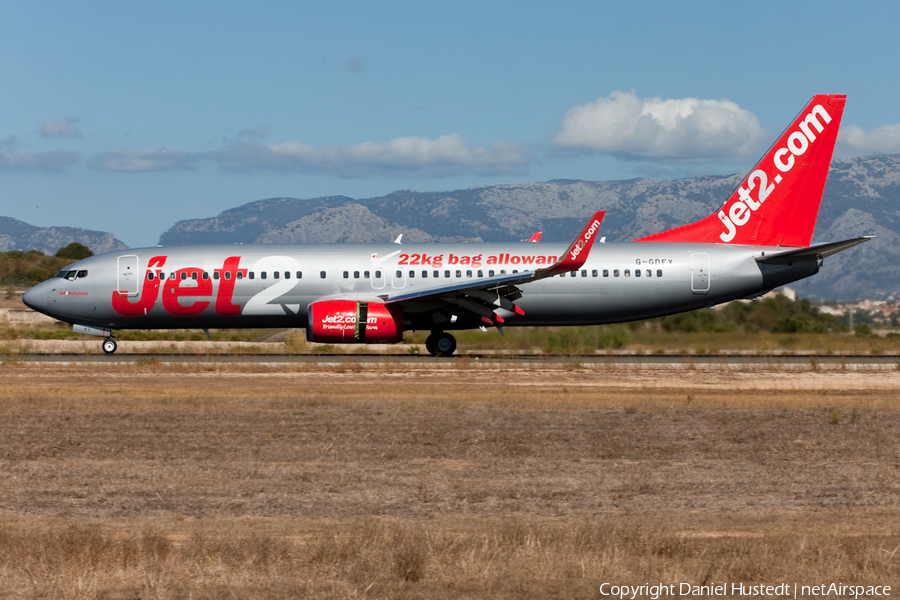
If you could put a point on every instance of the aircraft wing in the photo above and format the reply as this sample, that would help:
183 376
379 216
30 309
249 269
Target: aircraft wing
817 252
484 296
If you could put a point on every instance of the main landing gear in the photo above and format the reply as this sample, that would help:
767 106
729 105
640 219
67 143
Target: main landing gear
440 343
109 345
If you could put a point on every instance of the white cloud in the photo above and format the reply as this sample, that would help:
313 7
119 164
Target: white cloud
53 160
140 160
855 141
409 156
656 129
57 128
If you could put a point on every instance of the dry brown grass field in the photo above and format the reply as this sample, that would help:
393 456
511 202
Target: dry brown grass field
452 479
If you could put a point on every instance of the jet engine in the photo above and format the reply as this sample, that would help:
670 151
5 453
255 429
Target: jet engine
351 322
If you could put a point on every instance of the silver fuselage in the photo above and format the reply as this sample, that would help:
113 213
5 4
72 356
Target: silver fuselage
186 287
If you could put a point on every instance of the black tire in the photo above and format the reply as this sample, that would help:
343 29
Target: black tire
109 346
431 344
445 344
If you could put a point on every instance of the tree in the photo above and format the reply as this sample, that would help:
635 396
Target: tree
74 251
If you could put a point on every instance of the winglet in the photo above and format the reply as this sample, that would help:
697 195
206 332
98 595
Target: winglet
578 251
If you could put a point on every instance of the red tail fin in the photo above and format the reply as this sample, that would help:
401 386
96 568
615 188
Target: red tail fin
778 202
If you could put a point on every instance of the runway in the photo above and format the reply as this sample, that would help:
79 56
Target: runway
806 360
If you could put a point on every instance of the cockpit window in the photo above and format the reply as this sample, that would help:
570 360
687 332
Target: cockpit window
72 275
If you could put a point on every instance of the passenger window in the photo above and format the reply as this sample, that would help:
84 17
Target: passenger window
424 274
346 274
216 275
399 274
491 273
516 271
172 276
228 275
206 275
447 274
238 275
321 274
355 274
251 275
412 274
436 274
262 275
615 272
594 273
659 272
299 274
480 273
459 273
572 273
637 272
649 273
468 273
275 275
183 275
149 276
627 272
377 274
366 274
162 276
502 272
584 272
194 275
606 272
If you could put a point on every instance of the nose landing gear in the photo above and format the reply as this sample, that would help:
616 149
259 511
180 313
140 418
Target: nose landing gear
109 345
440 343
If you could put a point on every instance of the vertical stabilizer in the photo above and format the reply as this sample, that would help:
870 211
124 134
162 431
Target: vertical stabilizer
778 202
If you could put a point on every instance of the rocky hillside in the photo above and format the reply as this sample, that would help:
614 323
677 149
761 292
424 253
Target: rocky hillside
862 198
18 235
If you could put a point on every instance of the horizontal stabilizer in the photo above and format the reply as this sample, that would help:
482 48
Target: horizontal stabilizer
817 252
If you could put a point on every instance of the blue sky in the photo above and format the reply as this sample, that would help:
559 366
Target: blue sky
129 116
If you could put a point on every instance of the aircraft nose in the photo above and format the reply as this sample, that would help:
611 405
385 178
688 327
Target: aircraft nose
36 298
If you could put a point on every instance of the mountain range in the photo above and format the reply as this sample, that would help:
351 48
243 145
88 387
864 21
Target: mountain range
862 197
18 235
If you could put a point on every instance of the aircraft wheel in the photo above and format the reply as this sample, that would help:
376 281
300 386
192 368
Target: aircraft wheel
109 345
444 344
431 344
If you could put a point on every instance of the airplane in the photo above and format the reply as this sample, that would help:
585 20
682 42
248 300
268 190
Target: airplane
372 293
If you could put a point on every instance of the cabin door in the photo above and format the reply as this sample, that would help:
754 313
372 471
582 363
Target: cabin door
128 282
700 273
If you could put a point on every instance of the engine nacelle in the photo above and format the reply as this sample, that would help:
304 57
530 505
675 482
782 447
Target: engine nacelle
351 322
